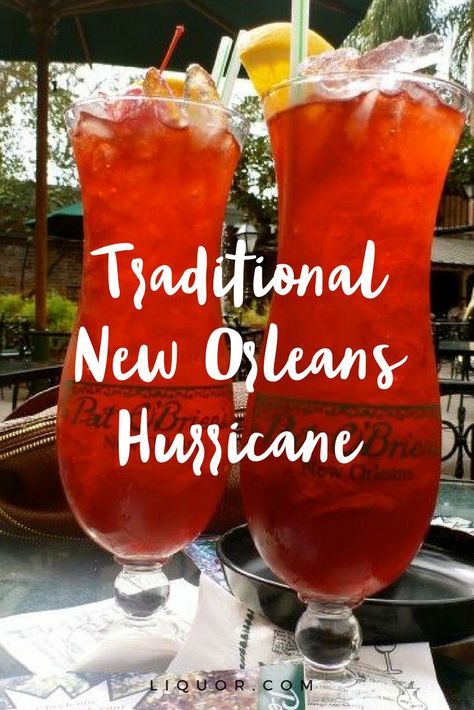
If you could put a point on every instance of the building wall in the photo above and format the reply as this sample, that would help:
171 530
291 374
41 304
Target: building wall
453 211
17 265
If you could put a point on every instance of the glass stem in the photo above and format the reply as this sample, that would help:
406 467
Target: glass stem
328 636
141 590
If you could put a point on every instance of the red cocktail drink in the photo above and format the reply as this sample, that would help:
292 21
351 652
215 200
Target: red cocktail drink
154 174
366 167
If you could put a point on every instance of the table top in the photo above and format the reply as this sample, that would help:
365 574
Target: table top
450 386
56 573
50 333
12 371
458 347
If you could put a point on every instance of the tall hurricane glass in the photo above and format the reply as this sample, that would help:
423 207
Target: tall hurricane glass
155 176
360 157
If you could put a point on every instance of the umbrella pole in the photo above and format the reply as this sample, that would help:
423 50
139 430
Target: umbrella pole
42 28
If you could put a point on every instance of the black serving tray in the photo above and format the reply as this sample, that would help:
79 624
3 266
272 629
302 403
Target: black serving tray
432 601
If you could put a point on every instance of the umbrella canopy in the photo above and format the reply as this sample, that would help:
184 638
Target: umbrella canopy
136 33
67 222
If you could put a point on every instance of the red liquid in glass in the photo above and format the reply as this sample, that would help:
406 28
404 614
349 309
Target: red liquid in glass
348 171
164 190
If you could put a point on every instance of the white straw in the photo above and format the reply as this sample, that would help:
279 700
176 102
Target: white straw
299 34
221 59
232 70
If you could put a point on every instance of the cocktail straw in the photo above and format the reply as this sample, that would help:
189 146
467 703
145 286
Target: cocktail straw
221 59
232 70
299 34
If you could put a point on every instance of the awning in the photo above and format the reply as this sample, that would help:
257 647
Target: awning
66 222
453 252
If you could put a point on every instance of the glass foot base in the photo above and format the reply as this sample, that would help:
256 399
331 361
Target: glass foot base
337 688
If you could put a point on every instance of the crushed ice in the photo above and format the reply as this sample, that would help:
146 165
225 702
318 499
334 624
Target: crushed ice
399 55
402 54
97 115
338 60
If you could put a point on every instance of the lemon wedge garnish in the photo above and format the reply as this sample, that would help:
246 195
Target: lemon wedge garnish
175 82
265 53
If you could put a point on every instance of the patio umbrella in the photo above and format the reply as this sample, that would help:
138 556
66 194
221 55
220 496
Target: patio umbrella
135 33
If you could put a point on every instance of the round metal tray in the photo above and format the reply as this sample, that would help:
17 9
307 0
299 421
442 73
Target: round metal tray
432 601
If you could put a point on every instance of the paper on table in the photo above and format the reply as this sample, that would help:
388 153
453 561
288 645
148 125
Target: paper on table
455 523
226 635
92 637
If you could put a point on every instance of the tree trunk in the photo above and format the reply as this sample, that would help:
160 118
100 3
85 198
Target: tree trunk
471 83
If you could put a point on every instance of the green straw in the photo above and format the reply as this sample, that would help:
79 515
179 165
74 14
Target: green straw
232 70
299 34
222 56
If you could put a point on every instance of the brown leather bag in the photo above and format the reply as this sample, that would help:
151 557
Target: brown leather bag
32 501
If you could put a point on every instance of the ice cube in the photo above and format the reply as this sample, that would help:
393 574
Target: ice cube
108 108
155 85
171 113
94 107
403 54
102 158
325 65
338 60
358 124
200 86
418 92
93 125
333 87
113 85
135 90
390 84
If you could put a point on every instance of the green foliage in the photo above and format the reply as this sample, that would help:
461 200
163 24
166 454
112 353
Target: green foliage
460 22
254 314
388 19
28 310
17 136
18 118
17 202
461 171
253 190
11 305
61 311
